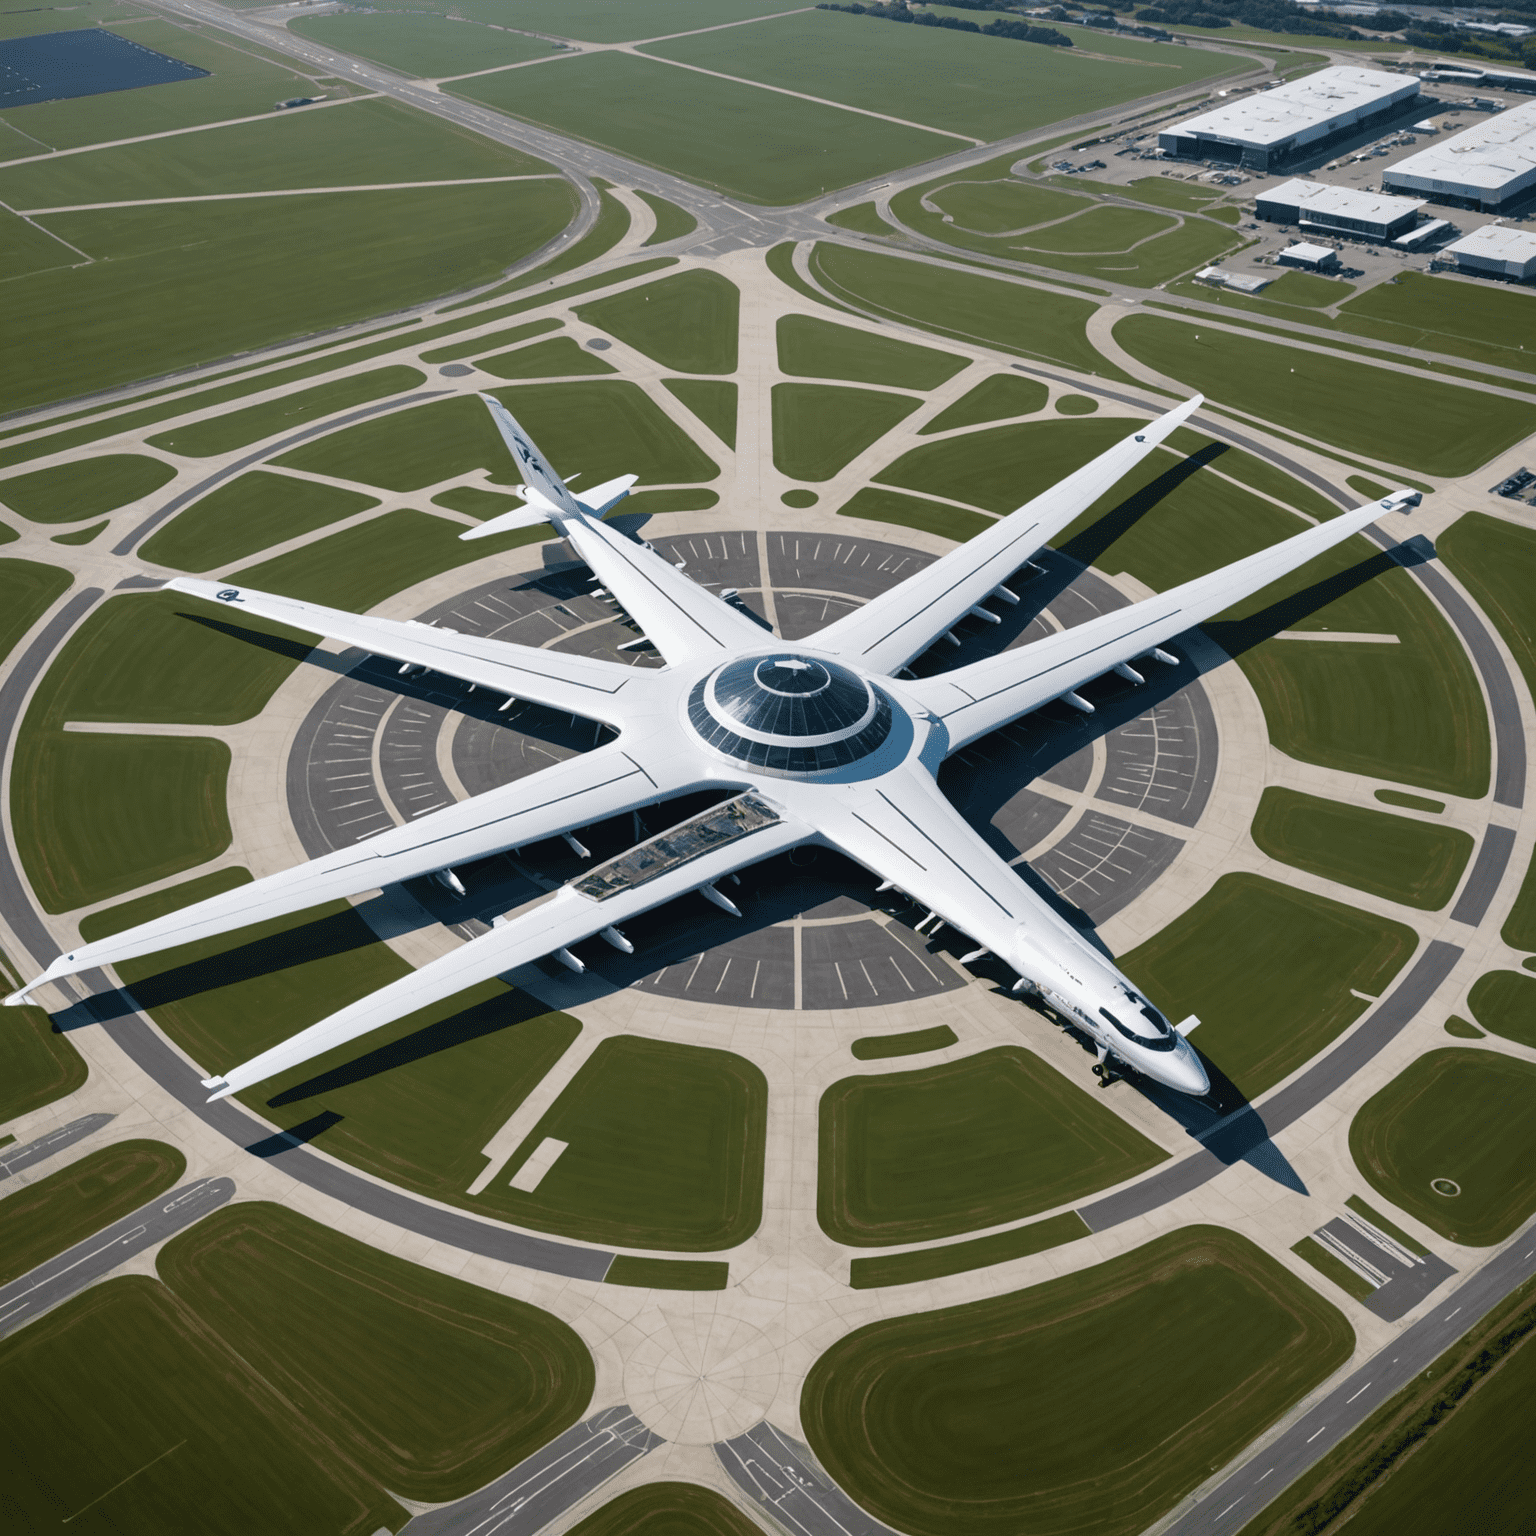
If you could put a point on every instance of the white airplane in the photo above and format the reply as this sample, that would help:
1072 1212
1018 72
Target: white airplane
820 742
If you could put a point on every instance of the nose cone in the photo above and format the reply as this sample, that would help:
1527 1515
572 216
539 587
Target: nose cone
1186 1072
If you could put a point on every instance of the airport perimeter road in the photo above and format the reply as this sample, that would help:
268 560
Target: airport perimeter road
778 1473
546 1484
60 1278
14 1159
1234 1501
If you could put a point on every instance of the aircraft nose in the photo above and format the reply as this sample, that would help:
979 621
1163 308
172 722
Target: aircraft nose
1187 1073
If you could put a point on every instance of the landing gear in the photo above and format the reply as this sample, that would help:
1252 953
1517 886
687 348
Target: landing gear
1106 1074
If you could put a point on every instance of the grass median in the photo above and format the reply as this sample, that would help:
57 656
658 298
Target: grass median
687 322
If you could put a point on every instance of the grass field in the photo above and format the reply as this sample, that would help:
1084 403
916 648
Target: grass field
171 285
667 1509
649 1274
244 516
818 428
1258 473
25 248
686 322
181 1437
910 1156
1468 1116
603 428
64 1208
560 356
963 306
222 434
672 222
87 487
759 145
1437 428
429 46
819 349
862 218
975 1253
430 1384
713 401
1505 1003
240 84
994 399
984 87
479 345
27 591
911 1042
1490 321
1496 561
356 144
599 21
921 1418
997 207
1270 972
666 1150
1163 193
1350 1281
1099 229
1408 861
879 505
37 1064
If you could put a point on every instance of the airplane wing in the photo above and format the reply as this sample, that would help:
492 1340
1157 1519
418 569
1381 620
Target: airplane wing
579 685
725 838
681 619
987 694
887 632
605 782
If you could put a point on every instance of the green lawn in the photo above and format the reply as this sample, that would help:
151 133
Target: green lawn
144 909
603 428
1466 1116
1162 192
759 145
819 349
1486 321
428 1384
985 87
1270 972
862 218
1496 560
1260 474
667 1509
994 399
183 283
611 227
1099 229
70 493
357 144
37 1064
1308 290
481 344
687 322
962 305
1106 1376
879 505
178 1435
1409 861
974 1253
672 222
222 434
649 1274
1436 428
713 401
1350 1281
559 357
665 1151
600 21
909 1156
911 1042
26 248
27 591
64 1208
1505 1002
818 428
86 13
244 516
998 207
429 46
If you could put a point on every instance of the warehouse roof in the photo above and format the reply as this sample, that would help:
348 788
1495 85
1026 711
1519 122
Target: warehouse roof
1487 155
1271 117
1342 202
1496 243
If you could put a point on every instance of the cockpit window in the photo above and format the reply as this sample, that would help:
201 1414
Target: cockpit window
1162 1041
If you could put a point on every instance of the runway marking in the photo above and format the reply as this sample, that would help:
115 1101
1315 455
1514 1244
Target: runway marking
1266 1474
1352 1397
1450 1315
113 1489
1230 1507
1314 1435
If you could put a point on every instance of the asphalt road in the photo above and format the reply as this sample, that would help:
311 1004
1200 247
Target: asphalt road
73 1270
1237 1499
14 1159
542 1487
777 1472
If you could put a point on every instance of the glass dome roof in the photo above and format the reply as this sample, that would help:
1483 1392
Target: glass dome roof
788 713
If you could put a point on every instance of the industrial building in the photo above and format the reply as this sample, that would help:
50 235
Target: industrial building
1310 258
1269 127
1319 208
1495 251
1487 166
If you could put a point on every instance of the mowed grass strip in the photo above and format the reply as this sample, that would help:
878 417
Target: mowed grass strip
998 207
86 487
668 1509
43 1219
819 349
665 1150
763 146
1270 971
428 1383
921 1418
560 356
910 1156
819 428
37 1062
222 434
1098 229
1467 1117
878 505
713 401
974 1253
964 306
1003 395
911 1042
1259 474
26 248
1408 861
358 143
985 87
242 517
672 222
1505 1003
686 322
181 1438
27 591
184 283
482 344
426 46
1496 561
1434 427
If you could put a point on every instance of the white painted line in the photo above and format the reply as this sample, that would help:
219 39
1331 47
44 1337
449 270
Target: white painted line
1314 1435
1352 1397
1230 1507
1266 1474
1450 1315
